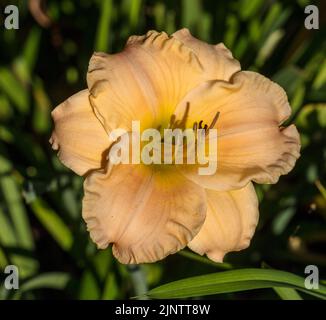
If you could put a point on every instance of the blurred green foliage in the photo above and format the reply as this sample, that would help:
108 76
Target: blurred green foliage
41 229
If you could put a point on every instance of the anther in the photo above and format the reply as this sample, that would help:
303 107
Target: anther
172 120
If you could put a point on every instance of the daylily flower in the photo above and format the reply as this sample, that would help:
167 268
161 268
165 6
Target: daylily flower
146 211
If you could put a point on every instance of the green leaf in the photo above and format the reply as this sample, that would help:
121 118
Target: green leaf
111 288
7 234
290 78
41 116
134 12
276 18
51 280
10 85
103 29
232 29
321 188
89 288
282 220
3 261
6 110
268 47
232 281
309 111
15 230
248 8
320 79
159 15
53 224
24 64
191 13
31 48
13 198
287 293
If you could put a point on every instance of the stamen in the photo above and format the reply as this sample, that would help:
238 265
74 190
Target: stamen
214 120
206 127
176 124
183 122
172 120
212 124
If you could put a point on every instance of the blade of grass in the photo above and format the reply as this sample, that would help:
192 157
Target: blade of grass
41 116
287 293
103 29
134 13
13 199
24 64
15 228
10 86
3 261
7 234
55 280
321 188
232 281
53 224
89 288
191 13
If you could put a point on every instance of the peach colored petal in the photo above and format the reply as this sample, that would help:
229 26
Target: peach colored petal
78 134
230 223
147 214
250 144
144 82
217 60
